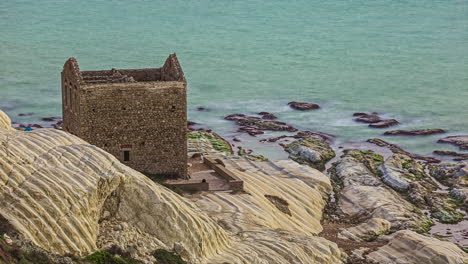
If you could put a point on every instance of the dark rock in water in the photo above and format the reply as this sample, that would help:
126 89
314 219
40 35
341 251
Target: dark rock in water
234 117
396 149
303 135
385 123
269 116
251 131
25 114
415 132
303 106
202 109
375 120
255 125
366 118
190 124
317 135
35 125
359 114
51 119
263 124
266 115
450 153
460 141
236 139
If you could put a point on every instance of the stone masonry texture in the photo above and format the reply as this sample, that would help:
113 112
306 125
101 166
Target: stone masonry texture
138 115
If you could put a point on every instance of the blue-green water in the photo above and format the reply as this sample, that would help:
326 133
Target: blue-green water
407 59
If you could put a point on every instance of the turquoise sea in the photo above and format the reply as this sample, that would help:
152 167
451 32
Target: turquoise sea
405 59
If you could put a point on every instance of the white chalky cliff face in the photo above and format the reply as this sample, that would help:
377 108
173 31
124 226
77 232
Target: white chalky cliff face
54 188
67 196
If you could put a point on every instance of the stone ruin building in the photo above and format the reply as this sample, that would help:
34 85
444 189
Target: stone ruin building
138 115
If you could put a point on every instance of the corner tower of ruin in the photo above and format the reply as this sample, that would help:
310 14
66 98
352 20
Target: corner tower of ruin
138 115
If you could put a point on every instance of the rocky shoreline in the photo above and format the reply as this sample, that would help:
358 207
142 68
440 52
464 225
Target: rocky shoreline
369 200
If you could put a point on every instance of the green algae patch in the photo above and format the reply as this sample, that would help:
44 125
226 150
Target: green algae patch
370 159
447 215
248 155
165 257
424 226
217 142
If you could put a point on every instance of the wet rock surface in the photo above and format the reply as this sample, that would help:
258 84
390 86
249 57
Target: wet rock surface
359 192
450 153
375 120
415 132
398 150
385 123
266 115
309 151
255 125
323 137
460 141
303 106
368 118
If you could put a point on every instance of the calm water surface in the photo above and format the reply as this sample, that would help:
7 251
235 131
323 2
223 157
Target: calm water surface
406 59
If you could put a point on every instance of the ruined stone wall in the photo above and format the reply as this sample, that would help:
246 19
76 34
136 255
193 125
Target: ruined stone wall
171 71
148 119
71 81
139 75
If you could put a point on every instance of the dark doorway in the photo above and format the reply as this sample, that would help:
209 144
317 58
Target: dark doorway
126 155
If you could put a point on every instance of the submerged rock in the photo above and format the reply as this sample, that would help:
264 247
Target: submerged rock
322 137
385 123
415 132
367 118
375 121
460 141
310 151
303 106
366 231
255 125
450 153
266 115
409 247
51 119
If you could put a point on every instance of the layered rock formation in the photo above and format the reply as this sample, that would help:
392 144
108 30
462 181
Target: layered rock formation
366 231
409 247
360 193
69 197
55 189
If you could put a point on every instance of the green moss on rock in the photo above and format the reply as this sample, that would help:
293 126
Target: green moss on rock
165 257
424 226
370 159
216 141
447 215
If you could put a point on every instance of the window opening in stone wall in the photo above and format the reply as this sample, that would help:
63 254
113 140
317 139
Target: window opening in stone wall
173 108
126 155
